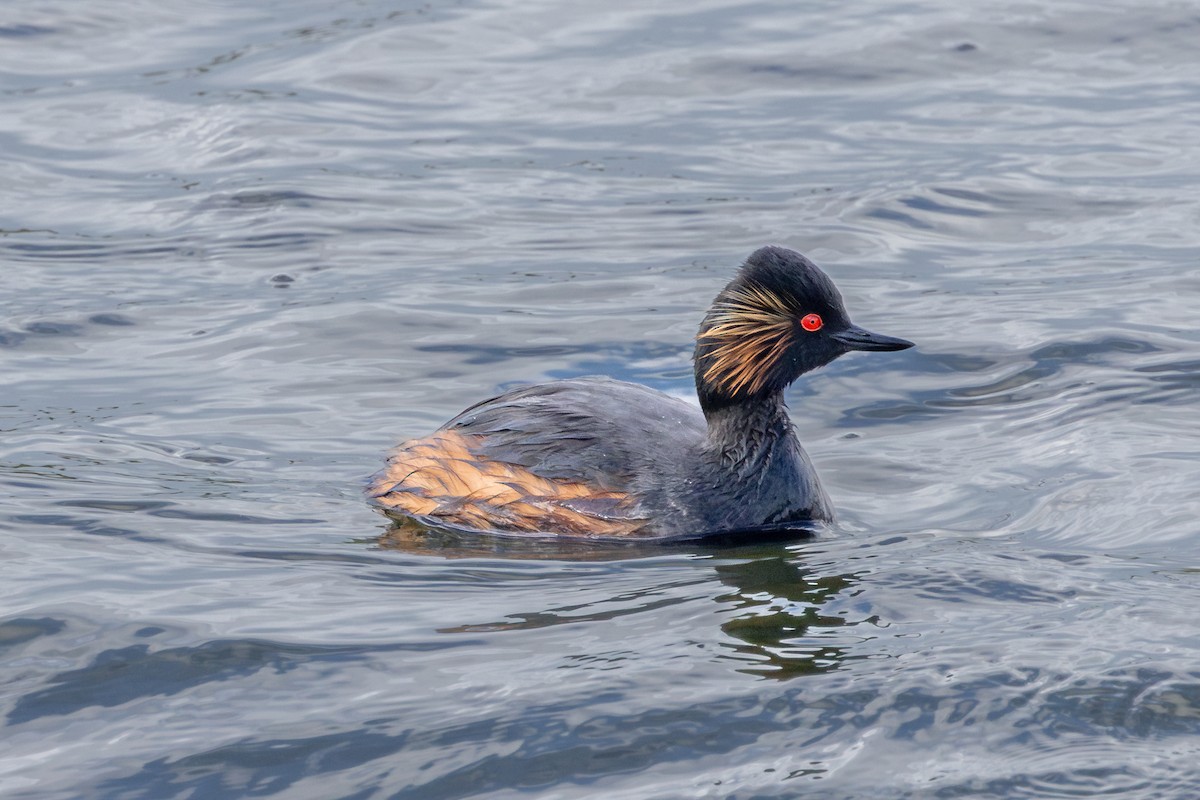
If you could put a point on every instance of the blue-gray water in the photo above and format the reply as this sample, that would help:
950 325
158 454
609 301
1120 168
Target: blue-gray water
247 247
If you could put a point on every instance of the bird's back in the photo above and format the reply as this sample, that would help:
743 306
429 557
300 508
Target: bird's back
568 456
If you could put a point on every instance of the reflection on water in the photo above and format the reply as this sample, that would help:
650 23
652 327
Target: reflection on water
778 616
773 610
409 536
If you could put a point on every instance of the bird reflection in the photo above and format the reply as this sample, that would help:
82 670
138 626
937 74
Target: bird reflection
779 621
411 536
773 613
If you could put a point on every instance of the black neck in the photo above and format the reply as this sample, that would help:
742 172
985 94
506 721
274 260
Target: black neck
745 434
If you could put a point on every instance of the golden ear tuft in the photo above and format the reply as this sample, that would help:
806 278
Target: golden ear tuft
750 329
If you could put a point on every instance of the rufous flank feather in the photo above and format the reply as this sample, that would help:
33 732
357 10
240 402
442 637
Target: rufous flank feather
442 479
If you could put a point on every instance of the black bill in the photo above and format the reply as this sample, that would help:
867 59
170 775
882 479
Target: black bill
857 338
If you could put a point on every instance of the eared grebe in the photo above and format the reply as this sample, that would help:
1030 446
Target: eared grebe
601 458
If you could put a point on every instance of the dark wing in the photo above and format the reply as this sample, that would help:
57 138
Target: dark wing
599 431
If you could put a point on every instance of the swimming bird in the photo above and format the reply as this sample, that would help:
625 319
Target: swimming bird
601 458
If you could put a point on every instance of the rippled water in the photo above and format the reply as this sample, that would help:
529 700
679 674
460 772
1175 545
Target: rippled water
246 247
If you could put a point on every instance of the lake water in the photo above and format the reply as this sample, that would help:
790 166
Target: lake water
247 247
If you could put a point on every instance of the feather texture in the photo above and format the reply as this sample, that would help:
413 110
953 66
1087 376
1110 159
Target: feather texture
444 478
748 330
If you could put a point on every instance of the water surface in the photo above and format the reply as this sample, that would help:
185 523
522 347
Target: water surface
248 247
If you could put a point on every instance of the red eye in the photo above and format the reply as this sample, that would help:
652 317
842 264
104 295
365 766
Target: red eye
812 322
